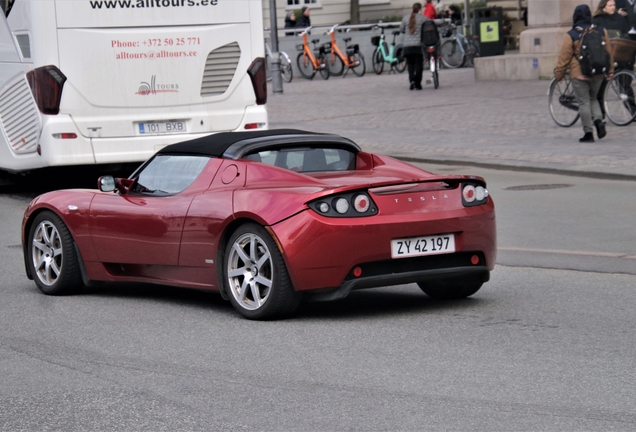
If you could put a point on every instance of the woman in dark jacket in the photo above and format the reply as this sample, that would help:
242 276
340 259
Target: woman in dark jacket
607 17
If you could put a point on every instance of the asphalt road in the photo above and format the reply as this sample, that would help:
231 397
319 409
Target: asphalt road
545 347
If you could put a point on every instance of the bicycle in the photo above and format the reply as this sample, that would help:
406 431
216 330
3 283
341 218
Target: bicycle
459 50
285 64
384 53
619 101
353 60
308 63
431 57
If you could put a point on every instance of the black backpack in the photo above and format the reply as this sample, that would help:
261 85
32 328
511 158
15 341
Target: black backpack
594 58
430 35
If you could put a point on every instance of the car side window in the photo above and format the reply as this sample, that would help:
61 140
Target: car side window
169 174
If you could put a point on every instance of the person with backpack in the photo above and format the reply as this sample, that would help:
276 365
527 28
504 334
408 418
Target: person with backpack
585 51
411 26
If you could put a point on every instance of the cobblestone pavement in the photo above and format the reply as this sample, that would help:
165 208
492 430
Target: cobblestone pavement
496 124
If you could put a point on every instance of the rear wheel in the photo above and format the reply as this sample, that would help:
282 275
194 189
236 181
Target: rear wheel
257 280
359 67
324 66
305 66
449 292
51 256
436 79
378 62
336 66
401 66
619 100
563 107
452 54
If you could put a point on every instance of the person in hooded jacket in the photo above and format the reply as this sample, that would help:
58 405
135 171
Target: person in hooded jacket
290 22
304 20
585 87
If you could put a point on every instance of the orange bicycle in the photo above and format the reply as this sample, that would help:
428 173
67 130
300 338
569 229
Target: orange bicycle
353 60
308 63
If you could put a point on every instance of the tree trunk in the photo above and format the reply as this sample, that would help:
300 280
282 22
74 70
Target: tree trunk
355 11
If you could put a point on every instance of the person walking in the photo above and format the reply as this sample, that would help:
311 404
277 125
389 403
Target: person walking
429 10
290 22
411 26
304 21
585 87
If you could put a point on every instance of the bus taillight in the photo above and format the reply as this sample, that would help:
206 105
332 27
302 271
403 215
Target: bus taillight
258 73
46 85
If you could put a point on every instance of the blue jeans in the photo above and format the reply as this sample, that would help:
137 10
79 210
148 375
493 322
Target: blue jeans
589 108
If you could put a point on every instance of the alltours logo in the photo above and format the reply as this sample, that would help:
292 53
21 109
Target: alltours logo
153 88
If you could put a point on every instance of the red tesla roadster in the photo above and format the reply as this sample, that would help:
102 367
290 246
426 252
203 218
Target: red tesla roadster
265 218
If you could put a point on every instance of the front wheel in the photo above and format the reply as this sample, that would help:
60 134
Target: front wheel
305 66
51 256
336 66
324 67
358 66
256 277
452 54
378 62
619 100
286 68
449 292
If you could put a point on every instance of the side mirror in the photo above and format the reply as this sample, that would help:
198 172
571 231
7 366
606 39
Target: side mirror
106 183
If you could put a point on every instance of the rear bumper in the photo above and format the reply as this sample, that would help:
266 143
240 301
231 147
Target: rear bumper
322 253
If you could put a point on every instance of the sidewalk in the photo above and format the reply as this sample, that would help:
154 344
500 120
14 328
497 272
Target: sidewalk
493 124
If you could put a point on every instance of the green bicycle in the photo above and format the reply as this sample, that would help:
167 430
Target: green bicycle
387 54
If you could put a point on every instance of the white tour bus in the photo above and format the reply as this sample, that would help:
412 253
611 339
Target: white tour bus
112 81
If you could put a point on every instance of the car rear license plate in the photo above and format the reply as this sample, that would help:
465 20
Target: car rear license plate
419 246
167 127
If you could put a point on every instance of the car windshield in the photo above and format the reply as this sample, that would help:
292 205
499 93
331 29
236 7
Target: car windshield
169 174
307 159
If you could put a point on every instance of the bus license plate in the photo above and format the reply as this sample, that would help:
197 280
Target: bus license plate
168 127
419 246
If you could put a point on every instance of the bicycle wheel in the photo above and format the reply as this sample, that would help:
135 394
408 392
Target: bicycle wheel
305 66
359 67
563 106
401 66
436 79
286 68
324 66
378 62
336 65
452 55
618 99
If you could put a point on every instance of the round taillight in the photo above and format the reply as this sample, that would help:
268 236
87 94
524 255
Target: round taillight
469 193
342 205
474 260
361 203
323 207
480 193
357 272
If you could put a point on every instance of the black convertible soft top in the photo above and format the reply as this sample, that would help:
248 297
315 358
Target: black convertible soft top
234 145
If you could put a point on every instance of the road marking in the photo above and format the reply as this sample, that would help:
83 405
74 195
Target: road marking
567 252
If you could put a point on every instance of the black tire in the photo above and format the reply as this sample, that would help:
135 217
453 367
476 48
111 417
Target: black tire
558 97
449 292
51 256
256 277
324 66
619 98
286 69
436 79
305 66
378 62
452 55
336 65
361 67
401 66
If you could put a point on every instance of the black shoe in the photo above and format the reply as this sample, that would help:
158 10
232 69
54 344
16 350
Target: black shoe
600 128
588 137
412 86
418 86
